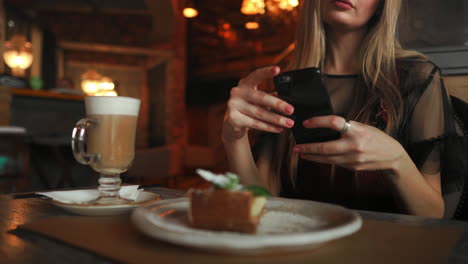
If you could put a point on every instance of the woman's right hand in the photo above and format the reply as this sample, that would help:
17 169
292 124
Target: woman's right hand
249 108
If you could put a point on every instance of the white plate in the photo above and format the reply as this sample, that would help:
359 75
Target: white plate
287 225
144 198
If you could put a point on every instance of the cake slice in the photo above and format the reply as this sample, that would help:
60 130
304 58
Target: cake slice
238 211
227 206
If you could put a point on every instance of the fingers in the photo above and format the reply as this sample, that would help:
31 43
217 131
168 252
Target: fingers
250 108
326 159
325 148
331 121
262 114
258 76
349 161
240 120
274 103
259 98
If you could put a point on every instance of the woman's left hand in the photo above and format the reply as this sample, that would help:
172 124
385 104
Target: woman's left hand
361 147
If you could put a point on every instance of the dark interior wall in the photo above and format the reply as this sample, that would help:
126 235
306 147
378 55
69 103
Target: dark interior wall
434 23
157 93
208 92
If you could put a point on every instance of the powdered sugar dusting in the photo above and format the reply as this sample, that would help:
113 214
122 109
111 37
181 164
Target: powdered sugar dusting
286 225
278 222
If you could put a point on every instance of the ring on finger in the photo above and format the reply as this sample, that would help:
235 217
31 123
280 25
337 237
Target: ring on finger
346 127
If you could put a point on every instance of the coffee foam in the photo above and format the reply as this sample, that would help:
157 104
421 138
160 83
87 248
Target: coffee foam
112 105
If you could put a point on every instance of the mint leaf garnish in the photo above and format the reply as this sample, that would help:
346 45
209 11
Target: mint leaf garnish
256 190
230 181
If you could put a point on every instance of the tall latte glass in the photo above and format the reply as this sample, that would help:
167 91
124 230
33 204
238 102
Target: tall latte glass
105 140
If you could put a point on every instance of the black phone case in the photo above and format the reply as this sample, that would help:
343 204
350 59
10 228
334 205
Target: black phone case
304 89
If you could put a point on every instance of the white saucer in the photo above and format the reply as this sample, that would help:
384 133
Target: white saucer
144 198
287 225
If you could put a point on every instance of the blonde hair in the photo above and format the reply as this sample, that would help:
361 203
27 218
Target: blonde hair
379 74
379 53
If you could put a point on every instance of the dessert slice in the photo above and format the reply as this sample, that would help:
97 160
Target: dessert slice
228 206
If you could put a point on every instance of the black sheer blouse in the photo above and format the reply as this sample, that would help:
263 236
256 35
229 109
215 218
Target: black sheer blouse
428 131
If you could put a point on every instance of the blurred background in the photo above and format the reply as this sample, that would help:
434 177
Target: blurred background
180 57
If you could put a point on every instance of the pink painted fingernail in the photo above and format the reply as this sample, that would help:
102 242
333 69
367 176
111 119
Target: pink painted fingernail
289 122
297 149
289 109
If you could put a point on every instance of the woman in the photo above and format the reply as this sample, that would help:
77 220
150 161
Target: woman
388 157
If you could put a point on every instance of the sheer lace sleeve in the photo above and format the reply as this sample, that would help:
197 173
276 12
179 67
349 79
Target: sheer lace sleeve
431 135
427 124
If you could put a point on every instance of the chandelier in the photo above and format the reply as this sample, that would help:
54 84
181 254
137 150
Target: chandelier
93 83
18 55
256 7
253 7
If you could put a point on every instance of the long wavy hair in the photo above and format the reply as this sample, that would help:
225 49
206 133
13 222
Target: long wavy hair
378 55
379 81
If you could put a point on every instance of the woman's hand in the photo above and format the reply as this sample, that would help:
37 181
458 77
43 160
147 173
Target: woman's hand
361 147
249 108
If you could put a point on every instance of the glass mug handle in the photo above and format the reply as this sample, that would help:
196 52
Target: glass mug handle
79 141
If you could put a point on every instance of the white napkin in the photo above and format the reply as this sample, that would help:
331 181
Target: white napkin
129 192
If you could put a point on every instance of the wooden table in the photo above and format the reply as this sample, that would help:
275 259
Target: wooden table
33 248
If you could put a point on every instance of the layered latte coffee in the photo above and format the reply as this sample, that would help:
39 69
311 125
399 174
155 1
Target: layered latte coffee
111 138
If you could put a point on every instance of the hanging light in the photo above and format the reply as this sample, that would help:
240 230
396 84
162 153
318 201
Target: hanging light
189 10
275 6
253 7
106 93
293 3
93 83
106 84
18 55
252 25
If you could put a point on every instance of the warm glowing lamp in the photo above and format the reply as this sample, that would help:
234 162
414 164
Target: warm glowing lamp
107 84
106 93
93 83
253 7
189 10
276 6
90 82
252 25
18 55
293 3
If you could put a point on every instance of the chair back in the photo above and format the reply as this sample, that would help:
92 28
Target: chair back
460 108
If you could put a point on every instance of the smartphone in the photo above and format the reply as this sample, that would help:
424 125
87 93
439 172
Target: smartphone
305 90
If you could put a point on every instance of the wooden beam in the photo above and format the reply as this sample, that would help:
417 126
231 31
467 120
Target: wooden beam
36 40
60 63
87 10
5 105
106 65
46 94
68 45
